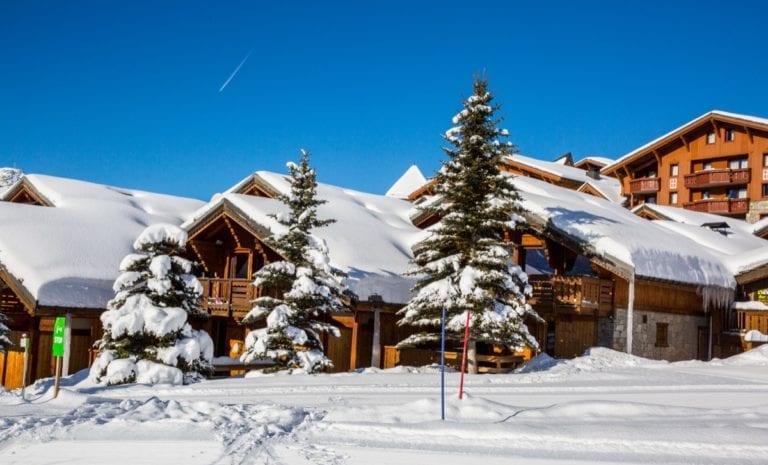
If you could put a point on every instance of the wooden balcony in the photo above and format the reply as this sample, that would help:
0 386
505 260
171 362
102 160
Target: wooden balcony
708 178
572 294
722 206
644 185
228 297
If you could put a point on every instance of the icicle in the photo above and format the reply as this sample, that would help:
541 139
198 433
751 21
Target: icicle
716 297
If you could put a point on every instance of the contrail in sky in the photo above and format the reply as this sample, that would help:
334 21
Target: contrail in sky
226 83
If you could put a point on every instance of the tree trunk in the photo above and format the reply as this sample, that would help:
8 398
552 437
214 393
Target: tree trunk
472 357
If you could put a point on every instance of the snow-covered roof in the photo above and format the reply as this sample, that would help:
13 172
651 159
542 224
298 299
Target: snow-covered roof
8 177
696 121
67 255
603 161
371 239
411 180
616 236
737 246
607 186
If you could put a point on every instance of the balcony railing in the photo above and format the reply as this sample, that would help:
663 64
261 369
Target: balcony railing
229 297
572 294
725 177
644 185
720 206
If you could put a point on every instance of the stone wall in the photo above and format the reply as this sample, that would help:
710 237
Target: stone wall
682 334
756 209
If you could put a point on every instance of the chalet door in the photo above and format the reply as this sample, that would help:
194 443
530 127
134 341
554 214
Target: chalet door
573 337
339 350
703 343
240 266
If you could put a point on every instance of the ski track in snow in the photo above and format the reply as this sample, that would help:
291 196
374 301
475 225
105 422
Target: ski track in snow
581 412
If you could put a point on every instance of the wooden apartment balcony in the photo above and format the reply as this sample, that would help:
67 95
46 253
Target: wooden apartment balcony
723 206
228 297
572 294
644 185
726 177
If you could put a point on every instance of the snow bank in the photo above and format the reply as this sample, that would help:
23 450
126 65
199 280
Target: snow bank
757 357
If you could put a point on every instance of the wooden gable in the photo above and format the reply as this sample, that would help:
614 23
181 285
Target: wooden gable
24 192
257 187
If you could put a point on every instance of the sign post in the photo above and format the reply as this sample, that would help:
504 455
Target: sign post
24 343
59 332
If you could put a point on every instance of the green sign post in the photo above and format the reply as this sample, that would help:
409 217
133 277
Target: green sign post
59 328
59 332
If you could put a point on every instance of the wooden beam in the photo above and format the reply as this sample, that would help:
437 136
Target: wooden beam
658 158
353 343
750 134
232 231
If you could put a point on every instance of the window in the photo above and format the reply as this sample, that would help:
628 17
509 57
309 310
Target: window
740 163
651 199
706 195
662 334
673 183
711 137
707 165
674 170
737 193
673 198
765 190
765 159
730 135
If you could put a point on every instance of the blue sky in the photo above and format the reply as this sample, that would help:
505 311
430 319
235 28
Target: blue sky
127 93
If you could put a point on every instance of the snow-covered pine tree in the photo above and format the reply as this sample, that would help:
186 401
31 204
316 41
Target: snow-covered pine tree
465 265
5 332
309 288
146 335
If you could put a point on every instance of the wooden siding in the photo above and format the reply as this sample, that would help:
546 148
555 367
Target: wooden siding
691 153
659 296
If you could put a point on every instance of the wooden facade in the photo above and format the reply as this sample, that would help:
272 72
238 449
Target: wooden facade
717 164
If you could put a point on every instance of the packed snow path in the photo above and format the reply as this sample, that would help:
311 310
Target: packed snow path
603 408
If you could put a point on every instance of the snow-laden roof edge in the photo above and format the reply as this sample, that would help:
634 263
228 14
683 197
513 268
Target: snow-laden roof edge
408 182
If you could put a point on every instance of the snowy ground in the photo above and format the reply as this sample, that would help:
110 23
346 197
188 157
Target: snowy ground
601 408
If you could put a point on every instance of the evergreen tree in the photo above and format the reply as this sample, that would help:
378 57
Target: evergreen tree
309 288
5 332
465 265
146 335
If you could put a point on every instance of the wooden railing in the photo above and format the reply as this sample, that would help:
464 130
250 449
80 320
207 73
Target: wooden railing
644 185
486 363
572 294
228 297
708 178
720 206
751 319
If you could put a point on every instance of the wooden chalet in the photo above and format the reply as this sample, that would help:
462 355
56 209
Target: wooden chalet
370 241
61 243
563 173
717 163
603 276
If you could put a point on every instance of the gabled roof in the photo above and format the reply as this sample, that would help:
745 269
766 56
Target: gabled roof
67 255
740 250
706 118
411 180
608 187
619 240
598 161
371 239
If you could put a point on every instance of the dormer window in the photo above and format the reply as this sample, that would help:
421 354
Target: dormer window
711 137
